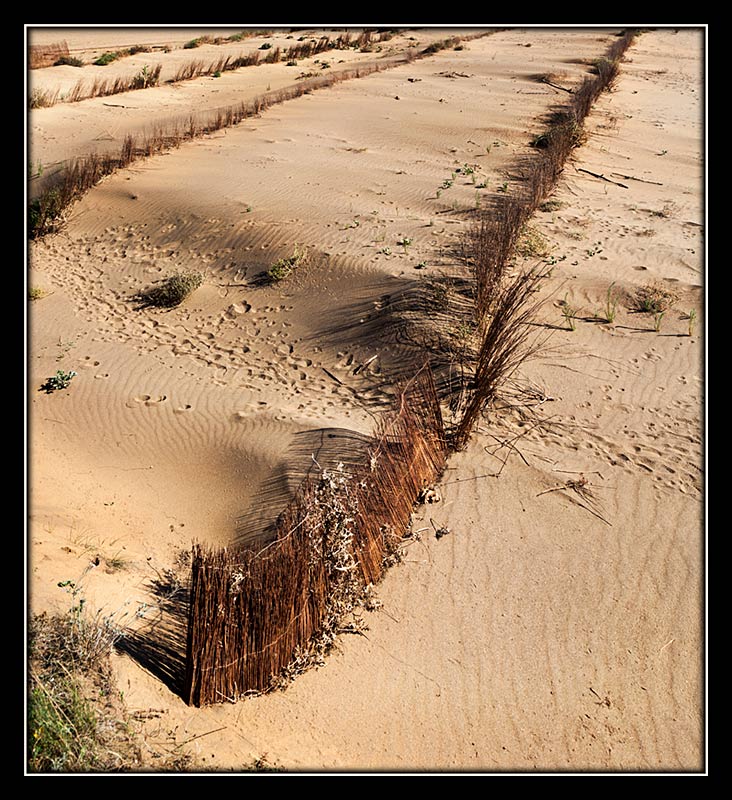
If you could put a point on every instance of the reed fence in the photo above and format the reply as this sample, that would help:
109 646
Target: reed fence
46 55
263 612
256 615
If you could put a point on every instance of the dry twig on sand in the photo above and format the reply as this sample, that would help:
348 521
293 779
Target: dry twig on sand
581 487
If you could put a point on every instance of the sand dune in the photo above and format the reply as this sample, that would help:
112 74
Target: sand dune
558 626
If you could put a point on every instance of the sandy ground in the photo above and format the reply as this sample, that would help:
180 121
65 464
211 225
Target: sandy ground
545 632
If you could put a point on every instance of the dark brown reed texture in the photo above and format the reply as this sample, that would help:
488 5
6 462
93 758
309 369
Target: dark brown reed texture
258 617
504 308
46 55
507 341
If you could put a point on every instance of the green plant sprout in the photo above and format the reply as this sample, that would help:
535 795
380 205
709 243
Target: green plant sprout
569 313
611 303
61 380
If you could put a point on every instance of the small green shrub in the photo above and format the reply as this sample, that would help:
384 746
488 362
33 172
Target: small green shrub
106 58
265 46
35 293
69 61
173 290
61 380
285 266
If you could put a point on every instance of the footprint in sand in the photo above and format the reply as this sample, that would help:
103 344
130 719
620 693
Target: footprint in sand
102 375
151 401
182 409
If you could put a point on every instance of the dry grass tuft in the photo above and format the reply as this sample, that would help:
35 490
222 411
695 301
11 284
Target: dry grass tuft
653 298
172 291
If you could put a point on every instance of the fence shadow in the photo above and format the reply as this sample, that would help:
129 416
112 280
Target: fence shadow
158 646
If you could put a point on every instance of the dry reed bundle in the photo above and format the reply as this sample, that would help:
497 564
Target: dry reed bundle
506 344
504 308
260 616
46 55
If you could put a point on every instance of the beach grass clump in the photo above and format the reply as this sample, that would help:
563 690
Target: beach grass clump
173 290
284 267
611 303
68 61
45 212
569 312
146 77
77 722
42 98
107 58
68 655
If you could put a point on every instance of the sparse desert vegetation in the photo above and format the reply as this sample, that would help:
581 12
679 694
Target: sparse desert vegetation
171 291
308 417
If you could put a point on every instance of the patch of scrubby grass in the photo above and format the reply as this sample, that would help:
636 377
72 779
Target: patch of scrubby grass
531 243
77 720
68 61
653 298
172 291
74 721
286 266
107 58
